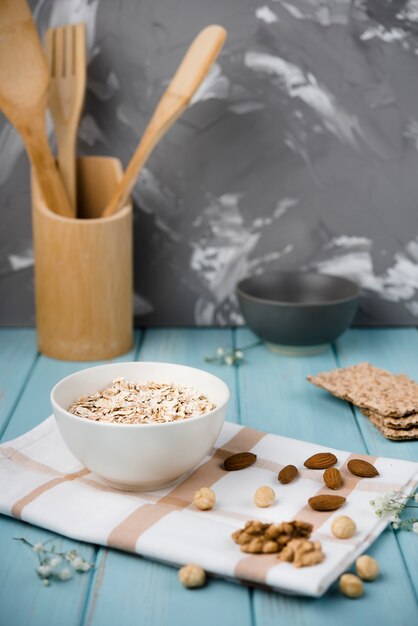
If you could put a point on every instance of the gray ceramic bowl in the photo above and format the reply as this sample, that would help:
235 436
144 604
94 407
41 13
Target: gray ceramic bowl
297 311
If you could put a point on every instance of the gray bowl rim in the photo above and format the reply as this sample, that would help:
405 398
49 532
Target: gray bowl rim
239 290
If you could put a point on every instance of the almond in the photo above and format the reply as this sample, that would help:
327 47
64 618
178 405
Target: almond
239 461
322 460
326 502
361 468
332 478
287 474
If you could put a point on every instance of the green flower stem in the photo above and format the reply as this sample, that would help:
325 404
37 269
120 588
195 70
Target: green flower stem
250 346
228 356
52 568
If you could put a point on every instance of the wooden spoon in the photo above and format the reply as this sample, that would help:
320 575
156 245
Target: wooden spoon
23 94
190 74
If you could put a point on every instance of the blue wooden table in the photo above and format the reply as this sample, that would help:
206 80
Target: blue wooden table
269 392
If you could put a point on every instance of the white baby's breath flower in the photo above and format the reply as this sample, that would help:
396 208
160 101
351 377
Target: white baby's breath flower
388 503
393 504
51 562
44 571
80 564
84 567
379 502
38 547
377 506
55 561
226 356
389 500
65 574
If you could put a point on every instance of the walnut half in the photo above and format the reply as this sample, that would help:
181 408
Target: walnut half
302 553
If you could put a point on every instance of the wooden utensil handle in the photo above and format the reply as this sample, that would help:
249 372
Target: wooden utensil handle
190 74
151 137
66 142
43 162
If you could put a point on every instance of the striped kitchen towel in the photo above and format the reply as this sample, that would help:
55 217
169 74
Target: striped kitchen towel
42 483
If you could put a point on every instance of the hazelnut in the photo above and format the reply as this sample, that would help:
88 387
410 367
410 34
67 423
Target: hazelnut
192 576
264 496
343 527
367 567
204 499
351 586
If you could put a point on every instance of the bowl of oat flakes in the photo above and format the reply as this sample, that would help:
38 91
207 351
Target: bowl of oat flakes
140 426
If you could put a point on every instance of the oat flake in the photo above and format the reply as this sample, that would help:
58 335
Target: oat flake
127 402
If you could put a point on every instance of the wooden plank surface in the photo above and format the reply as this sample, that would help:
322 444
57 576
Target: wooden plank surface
397 351
17 357
129 590
275 396
24 601
62 603
269 392
386 601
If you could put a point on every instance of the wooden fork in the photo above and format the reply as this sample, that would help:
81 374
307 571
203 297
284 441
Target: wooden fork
66 54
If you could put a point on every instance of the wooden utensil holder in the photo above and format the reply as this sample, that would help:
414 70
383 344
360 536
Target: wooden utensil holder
83 270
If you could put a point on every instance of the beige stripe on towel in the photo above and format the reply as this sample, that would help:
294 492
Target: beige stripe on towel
257 566
126 534
25 461
20 504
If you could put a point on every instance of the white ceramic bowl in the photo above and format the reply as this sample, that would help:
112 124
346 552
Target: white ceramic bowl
139 457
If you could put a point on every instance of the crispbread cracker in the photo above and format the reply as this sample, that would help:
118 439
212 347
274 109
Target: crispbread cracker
396 434
399 423
370 387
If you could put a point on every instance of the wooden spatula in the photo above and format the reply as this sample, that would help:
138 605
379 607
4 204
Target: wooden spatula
23 93
190 74
66 54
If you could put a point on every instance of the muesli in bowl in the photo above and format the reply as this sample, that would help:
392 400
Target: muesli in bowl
140 451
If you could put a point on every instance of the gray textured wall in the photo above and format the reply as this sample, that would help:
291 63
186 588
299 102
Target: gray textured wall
300 150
